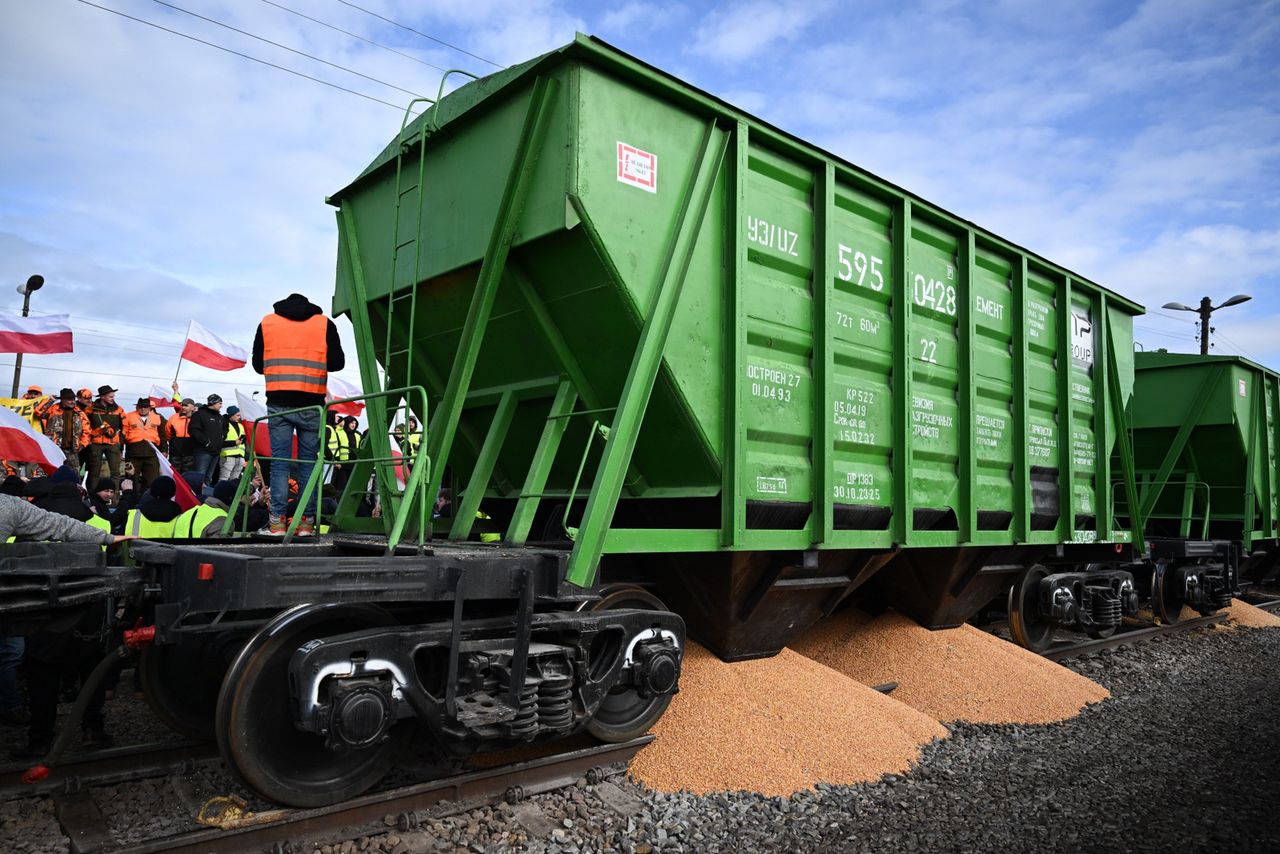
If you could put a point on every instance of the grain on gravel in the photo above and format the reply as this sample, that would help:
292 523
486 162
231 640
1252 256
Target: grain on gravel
1241 613
777 726
961 674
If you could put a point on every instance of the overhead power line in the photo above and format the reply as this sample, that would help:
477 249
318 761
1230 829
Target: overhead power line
286 47
420 33
322 82
354 35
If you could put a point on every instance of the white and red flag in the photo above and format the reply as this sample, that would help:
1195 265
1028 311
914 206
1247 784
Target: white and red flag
205 348
339 389
161 399
19 442
50 333
185 498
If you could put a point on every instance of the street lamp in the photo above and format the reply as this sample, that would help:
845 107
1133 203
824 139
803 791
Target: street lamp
1205 310
33 284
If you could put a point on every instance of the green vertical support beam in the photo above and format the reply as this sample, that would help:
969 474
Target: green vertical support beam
540 467
1022 496
1066 417
1101 447
1195 411
1252 462
733 506
903 512
824 204
1115 393
439 438
634 400
376 408
1188 507
480 474
967 515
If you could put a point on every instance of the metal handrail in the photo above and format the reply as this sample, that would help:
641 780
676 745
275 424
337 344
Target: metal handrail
416 482
431 122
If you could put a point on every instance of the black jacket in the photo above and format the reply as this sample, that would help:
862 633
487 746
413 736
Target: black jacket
296 307
207 431
64 498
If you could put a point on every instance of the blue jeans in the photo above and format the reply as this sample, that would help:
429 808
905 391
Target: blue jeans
206 463
281 430
11 650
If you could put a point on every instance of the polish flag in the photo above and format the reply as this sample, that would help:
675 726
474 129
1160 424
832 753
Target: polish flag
185 498
339 389
205 348
19 442
161 399
50 333
253 413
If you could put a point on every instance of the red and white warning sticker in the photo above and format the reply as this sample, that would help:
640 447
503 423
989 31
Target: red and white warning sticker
637 168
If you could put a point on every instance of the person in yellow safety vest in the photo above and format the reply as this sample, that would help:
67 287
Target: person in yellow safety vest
153 518
231 458
487 536
204 521
344 447
413 436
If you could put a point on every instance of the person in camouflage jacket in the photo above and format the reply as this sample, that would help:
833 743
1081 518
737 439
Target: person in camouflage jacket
66 425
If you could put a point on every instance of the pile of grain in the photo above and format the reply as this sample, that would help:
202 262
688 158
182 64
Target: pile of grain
777 726
962 674
1243 614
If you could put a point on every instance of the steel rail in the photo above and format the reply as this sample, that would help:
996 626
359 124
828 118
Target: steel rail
301 829
1135 636
1271 605
105 767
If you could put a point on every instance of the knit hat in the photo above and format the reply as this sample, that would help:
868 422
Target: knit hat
65 474
225 491
105 483
233 410
163 487
213 398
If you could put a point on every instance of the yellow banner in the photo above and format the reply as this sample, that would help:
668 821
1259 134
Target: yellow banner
24 407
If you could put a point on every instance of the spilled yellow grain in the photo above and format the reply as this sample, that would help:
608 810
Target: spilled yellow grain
961 674
777 726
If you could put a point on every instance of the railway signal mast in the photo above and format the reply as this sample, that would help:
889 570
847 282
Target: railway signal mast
1207 308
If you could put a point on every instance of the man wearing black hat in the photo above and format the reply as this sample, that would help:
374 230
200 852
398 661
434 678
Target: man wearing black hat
207 432
106 419
65 426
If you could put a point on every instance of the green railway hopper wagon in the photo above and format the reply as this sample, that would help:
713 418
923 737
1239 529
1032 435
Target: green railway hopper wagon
719 365
1205 436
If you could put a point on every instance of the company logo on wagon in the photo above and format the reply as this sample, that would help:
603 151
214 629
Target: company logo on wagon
637 168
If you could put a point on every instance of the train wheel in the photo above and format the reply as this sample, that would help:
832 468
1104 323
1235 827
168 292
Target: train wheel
256 735
1025 624
625 714
1166 595
180 682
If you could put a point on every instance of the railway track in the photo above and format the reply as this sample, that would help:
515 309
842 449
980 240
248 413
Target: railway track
285 831
1128 637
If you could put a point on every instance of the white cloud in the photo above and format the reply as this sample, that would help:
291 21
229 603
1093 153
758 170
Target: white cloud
741 31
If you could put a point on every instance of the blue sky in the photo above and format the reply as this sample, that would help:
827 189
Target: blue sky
152 179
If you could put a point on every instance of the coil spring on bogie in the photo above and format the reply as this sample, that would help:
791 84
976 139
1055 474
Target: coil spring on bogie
555 703
1104 606
1221 597
525 723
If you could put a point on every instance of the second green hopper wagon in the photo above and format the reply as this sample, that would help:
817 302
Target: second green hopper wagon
712 360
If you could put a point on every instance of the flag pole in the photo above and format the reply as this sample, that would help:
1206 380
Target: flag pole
180 352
